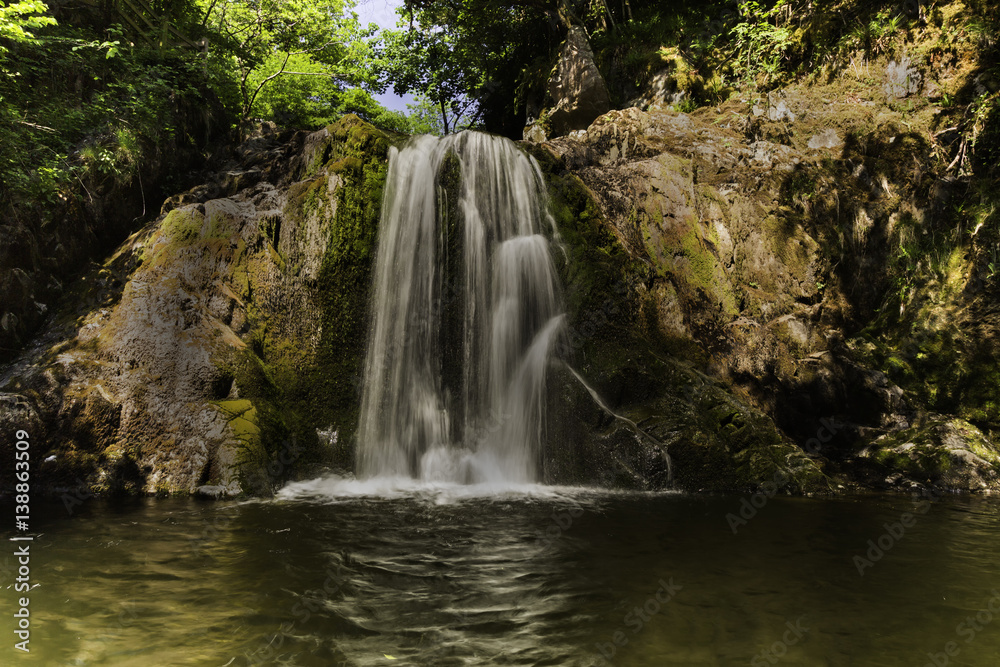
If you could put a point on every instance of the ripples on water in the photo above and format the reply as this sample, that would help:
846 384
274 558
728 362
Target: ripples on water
339 572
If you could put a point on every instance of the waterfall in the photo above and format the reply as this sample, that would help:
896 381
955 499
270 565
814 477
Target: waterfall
466 310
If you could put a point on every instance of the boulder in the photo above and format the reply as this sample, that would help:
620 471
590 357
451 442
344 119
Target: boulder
577 88
207 350
943 454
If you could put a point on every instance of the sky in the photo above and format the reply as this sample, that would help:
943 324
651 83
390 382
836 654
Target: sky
383 12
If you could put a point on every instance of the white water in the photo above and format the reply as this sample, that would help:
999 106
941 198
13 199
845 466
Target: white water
464 318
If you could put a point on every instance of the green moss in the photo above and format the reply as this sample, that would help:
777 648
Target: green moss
349 163
183 225
298 384
705 273
218 225
241 415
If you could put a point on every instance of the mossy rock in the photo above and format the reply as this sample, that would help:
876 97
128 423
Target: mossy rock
943 453
303 364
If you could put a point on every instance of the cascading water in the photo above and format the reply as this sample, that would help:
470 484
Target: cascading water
466 308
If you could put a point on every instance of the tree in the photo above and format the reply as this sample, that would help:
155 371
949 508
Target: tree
468 57
273 39
427 61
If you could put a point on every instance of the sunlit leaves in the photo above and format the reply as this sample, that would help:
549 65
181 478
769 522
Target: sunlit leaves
18 19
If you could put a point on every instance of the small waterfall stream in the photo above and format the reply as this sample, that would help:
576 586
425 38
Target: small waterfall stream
466 308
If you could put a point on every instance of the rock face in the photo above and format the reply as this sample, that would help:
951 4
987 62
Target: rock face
213 344
718 276
733 275
576 88
728 252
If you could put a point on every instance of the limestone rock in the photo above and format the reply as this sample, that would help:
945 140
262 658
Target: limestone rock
534 133
577 87
828 138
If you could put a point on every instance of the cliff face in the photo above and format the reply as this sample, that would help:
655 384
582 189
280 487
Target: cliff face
723 280
208 351
762 249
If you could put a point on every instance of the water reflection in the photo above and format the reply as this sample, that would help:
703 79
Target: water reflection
534 576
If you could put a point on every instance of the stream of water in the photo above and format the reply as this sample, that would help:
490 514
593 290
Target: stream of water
466 308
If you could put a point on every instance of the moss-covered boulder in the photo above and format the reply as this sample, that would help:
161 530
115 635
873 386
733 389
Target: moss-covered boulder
631 409
946 454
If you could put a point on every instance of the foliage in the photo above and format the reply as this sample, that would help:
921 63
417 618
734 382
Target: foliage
432 62
272 39
874 35
468 59
760 43
19 18
86 103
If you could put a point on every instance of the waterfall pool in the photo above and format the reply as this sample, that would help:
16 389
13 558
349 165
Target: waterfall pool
382 572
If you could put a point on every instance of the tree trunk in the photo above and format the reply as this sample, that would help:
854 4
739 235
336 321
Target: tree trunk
444 117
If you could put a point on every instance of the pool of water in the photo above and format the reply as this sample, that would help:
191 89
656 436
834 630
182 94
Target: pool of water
335 573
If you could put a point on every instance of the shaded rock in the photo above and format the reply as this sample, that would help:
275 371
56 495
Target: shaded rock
683 431
577 88
946 454
19 420
728 272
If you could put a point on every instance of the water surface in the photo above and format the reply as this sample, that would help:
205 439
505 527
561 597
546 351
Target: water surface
442 575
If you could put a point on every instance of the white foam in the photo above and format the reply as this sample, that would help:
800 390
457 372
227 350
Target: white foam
334 488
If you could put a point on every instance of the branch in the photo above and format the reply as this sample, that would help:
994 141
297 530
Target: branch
37 127
208 13
314 49
281 70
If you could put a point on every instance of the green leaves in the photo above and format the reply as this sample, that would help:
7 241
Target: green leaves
19 18
111 47
274 39
759 43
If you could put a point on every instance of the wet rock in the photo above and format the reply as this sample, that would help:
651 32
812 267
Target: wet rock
945 454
